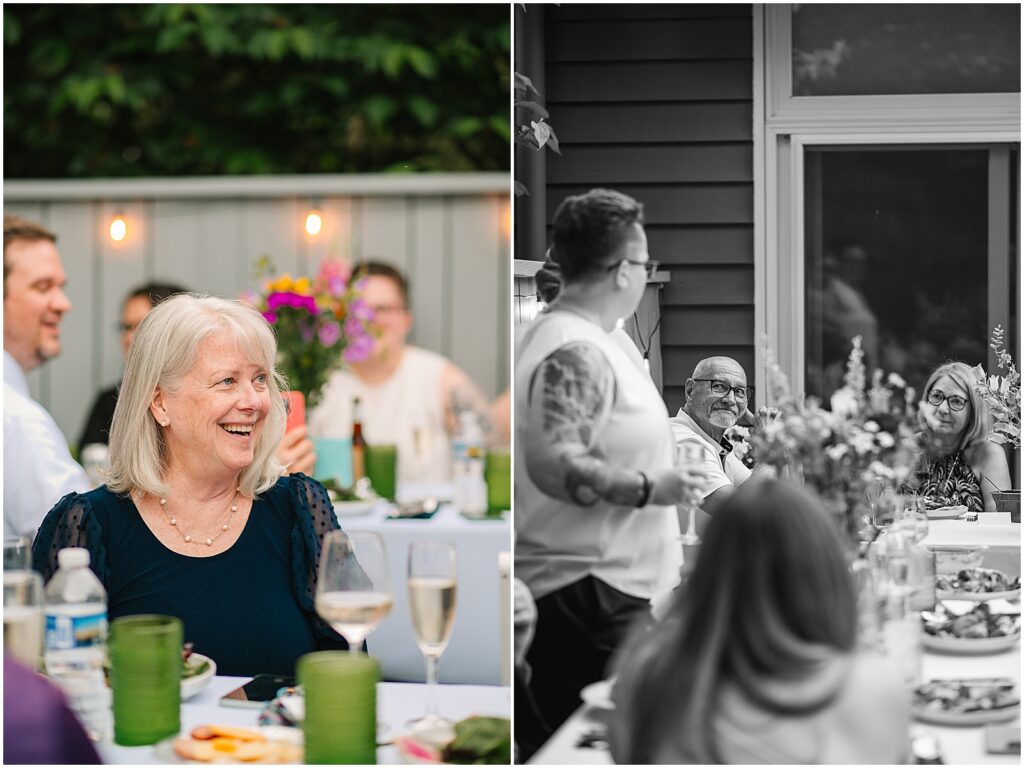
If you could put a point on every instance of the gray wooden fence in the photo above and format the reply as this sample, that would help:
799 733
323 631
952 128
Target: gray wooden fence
447 232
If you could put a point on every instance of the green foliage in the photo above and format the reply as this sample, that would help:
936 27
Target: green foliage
532 129
196 89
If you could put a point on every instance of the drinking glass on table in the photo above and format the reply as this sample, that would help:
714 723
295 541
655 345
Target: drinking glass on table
353 592
432 581
690 452
17 553
23 616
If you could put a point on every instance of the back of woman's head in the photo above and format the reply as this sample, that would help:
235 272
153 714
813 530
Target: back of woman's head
165 349
769 599
979 421
588 229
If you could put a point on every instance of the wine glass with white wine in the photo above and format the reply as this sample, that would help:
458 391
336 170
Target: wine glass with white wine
690 453
353 592
432 587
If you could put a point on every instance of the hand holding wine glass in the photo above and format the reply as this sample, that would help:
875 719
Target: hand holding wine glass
432 592
353 592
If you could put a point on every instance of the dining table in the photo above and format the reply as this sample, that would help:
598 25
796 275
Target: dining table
475 650
397 704
582 739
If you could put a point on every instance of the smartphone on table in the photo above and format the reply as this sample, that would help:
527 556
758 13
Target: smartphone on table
257 692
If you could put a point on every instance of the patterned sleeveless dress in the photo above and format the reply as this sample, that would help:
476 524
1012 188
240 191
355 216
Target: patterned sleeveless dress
951 477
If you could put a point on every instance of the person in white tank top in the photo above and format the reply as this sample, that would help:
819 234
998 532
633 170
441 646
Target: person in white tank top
410 397
595 475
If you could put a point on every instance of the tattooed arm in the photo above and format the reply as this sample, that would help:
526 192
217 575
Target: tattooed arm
570 401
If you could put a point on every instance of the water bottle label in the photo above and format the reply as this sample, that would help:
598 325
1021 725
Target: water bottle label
65 633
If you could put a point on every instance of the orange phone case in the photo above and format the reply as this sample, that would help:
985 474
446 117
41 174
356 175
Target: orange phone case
295 402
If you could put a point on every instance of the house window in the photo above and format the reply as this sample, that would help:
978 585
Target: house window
891 49
899 243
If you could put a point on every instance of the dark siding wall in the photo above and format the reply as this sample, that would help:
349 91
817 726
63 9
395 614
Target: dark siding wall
657 101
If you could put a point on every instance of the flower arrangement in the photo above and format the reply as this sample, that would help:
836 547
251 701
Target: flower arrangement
1002 393
844 454
319 322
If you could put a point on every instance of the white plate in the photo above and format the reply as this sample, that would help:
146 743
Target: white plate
978 597
164 752
190 686
979 717
599 695
354 508
946 513
969 646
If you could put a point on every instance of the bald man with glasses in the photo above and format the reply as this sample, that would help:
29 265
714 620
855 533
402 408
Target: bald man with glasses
717 397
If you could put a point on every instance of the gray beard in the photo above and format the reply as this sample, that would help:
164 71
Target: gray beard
722 419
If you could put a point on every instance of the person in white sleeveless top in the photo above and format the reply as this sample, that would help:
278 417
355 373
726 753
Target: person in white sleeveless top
595 476
409 397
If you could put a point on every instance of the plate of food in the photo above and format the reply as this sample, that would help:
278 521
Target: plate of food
946 513
230 744
351 501
970 628
475 740
966 701
977 584
196 672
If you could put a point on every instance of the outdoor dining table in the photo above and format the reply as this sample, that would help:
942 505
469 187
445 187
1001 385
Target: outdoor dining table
473 655
397 704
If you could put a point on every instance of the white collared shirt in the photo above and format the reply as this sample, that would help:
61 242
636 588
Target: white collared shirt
38 468
722 466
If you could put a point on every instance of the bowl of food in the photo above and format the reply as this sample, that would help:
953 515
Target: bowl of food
966 702
196 672
969 628
951 558
977 584
351 501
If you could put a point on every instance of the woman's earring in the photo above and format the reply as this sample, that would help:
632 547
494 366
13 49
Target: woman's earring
164 423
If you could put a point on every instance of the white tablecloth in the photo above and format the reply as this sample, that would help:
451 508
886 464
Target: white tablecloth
993 529
474 654
397 704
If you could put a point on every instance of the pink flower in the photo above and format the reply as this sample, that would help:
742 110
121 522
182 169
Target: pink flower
289 299
271 317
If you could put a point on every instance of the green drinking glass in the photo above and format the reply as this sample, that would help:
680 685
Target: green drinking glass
498 474
380 468
145 675
340 724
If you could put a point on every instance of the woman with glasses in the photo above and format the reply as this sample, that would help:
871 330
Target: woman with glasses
595 478
958 465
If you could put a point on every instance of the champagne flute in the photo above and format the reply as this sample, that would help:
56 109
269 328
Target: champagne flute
353 592
690 453
432 588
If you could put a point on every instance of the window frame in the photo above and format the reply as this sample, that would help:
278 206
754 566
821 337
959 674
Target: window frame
785 126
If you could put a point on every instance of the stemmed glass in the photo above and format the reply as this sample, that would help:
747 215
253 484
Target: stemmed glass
690 453
432 588
353 592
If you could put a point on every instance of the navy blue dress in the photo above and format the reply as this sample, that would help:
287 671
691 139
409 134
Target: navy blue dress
250 608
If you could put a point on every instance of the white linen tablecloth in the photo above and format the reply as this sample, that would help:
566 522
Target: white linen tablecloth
993 529
397 704
473 655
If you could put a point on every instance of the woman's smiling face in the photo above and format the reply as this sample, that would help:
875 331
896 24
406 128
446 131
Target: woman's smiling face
217 410
943 419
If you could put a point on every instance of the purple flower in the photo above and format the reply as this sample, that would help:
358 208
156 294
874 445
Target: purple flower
289 299
329 334
306 332
358 349
336 286
271 317
358 308
354 327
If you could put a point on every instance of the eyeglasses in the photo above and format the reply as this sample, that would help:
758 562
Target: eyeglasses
956 403
650 266
387 309
127 327
723 388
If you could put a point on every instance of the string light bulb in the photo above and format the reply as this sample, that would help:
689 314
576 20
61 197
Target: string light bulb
118 229
314 222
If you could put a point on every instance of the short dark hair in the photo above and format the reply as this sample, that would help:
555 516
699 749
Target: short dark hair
589 228
17 228
155 292
383 269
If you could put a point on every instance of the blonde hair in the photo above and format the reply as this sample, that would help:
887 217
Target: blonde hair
979 426
162 353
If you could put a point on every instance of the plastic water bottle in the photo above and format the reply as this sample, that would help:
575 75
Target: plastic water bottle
75 645
468 467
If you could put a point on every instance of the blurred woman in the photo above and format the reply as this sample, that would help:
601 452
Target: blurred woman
595 477
757 661
196 520
959 465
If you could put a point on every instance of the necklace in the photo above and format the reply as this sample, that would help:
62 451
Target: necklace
209 541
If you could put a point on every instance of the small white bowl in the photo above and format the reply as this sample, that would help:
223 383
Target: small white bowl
190 686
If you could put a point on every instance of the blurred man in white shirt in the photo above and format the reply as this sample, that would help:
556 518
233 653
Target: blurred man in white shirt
38 468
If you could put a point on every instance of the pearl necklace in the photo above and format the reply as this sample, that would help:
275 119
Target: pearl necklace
188 539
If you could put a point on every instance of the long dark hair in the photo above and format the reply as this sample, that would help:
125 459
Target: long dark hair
770 599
